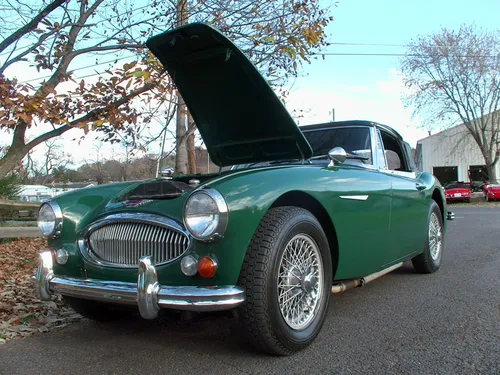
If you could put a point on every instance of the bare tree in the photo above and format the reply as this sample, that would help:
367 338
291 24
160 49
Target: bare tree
39 171
454 77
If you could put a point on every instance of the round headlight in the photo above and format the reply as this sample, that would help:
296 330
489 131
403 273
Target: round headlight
50 220
205 214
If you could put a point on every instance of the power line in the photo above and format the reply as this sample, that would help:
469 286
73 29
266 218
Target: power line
311 54
81 68
366 44
391 45
395 55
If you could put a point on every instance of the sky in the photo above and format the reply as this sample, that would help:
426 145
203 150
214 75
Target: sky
371 87
357 87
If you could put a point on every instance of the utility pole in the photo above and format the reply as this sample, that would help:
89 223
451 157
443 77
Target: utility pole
333 114
181 157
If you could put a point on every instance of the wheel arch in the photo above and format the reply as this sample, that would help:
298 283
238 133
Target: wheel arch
437 197
311 204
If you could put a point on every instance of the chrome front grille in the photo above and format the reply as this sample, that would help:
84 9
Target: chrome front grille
123 243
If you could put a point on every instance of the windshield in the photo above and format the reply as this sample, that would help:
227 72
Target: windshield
354 140
457 185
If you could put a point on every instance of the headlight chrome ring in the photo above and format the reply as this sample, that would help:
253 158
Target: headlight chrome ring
206 214
57 219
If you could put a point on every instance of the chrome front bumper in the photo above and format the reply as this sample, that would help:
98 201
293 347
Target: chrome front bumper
147 293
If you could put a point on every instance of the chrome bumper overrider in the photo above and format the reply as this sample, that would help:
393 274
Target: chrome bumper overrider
147 293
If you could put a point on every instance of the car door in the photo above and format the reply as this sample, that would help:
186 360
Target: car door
409 208
359 201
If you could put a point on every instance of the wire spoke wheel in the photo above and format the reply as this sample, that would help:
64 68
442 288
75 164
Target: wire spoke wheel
286 275
430 259
435 236
300 281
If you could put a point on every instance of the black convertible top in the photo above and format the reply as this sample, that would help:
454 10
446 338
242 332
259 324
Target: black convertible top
327 125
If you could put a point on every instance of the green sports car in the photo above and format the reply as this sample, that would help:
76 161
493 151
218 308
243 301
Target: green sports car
295 215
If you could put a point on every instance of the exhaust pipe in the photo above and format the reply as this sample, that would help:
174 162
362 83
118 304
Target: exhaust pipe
354 283
348 284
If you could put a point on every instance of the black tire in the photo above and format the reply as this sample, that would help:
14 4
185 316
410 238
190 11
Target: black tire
430 260
262 317
94 310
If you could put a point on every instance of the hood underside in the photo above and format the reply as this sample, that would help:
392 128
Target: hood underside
238 115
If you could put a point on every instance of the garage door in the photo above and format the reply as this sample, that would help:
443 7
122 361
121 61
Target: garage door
445 174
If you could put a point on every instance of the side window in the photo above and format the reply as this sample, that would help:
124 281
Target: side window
393 160
381 157
394 153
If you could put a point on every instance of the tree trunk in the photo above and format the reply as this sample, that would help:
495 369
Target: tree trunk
190 147
181 155
191 154
492 173
12 159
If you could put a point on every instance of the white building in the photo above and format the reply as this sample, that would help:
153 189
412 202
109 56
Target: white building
40 193
35 193
452 155
63 188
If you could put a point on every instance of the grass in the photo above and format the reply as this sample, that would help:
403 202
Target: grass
475 202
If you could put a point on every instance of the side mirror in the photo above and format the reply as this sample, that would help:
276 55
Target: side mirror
337 155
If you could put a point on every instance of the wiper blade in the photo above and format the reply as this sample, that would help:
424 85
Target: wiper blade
348 155
283 161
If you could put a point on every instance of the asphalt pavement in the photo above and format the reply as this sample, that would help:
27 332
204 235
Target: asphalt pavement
402 323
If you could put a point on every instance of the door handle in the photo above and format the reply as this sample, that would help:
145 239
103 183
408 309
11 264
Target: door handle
419 187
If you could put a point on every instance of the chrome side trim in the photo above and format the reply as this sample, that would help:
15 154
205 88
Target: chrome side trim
147 293
142 218
355 197
378 274
354 283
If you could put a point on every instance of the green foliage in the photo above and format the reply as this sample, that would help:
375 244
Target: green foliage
9 186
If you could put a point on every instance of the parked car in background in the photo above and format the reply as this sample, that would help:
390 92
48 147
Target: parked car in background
303 213
491 192
457 191
477 186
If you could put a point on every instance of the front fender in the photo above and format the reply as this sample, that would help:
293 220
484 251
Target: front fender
250 194
434 190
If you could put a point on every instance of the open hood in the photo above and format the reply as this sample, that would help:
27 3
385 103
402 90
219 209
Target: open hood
240 118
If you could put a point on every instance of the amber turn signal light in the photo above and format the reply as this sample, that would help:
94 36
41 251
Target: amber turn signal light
207 267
